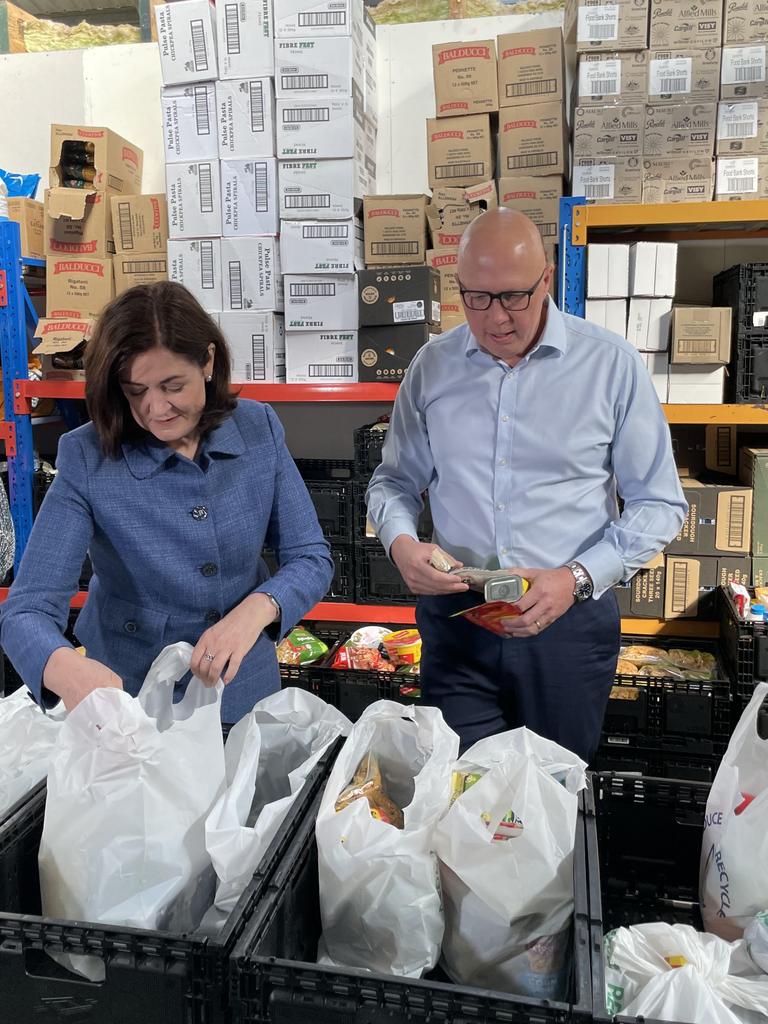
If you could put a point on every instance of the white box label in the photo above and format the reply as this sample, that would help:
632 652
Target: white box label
742 65
736 176
737 121
600 78
670 76
598 22
408 312
595 182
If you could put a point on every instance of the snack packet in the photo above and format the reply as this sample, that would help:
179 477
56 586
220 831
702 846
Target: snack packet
300 647
367 783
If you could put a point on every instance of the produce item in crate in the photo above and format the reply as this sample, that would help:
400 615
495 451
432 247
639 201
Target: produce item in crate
626 668
300 648
673 663
28 739
367 784
403 647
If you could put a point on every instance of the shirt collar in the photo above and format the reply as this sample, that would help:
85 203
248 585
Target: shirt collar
150 455
553 337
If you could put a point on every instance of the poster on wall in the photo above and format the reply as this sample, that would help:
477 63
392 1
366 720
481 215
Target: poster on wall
399 12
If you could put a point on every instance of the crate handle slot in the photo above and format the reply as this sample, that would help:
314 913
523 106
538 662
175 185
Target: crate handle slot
38 964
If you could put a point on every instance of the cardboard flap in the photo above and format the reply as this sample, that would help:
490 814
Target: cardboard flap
61 335
68 202
484 193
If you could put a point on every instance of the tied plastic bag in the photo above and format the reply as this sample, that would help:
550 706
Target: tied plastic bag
129 788
734 854
268 756
379 894
672 972
27 740
506 865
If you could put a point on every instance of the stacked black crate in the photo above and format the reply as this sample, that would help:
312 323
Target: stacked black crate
745 289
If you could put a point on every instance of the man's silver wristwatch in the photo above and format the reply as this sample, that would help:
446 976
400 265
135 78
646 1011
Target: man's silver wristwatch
584 587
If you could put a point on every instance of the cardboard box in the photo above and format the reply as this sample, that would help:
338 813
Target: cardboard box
318 17
742 128
653 269
744 177
445 262
252 274
759 572
145 268
321 357
78 222
193 191
743 74
459 150
77 286
719 520
701 334
696 385
385 353
395 229
537 198
451 210
190 122
618 180
249 197
315 128
647 590
597 26
256 345
623 592
753 471
673 129
746 21
317 66
648 324
608 131
399 295
321 189
684 74
118 163
29 215
619 77
321 247
608 313
246 112
533 141
691 583
531 67
607 271
186 34
720 451
196 263
678 179
140 224
465 77
686 23
244 38
657 365
66 338
320 302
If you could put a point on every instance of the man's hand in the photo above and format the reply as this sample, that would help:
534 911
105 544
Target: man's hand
412 560
72 677
549 596
231 639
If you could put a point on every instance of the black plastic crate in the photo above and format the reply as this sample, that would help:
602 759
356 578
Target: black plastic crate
329 482
275 977
152 977
377 578
745 289
748 375
6 824
369 441
423 527
622 757
643 852
744 647
343 583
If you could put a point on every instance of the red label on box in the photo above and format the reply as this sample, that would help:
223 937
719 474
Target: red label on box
519 195
519 51
85 134
445 261
74 247
78 267
155 214
454 106
130 156
462 52
66 325
447 135
510 125
383 213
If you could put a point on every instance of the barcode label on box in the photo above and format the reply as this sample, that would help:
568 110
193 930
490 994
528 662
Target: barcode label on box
743 64
232 28
199 51
325 231
595 182
694 346
257 371
679 587
515 163
600 78
306 115
394 248
207 278
235 285
444 172
144 266
671 75
261 179
737 505
256 93
598 23
737 121
202 118
125 226
408 312
315 82
331 369
322 19
546 87
205 184
316 289
737 175
308 202
723 448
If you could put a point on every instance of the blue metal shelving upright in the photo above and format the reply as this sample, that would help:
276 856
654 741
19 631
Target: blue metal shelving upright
572 262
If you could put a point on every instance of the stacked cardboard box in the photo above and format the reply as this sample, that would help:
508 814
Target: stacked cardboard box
753 472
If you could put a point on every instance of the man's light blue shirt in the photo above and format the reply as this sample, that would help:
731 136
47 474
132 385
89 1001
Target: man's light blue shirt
523 464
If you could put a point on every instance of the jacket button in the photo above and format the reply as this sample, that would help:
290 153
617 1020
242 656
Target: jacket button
130 627
199 512
212 617
209 569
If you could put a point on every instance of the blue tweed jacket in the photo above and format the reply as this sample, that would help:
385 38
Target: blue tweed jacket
174 544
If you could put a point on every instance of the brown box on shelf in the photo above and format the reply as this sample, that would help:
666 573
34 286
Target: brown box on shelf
719 520
466 78
742 128
385 353
533 140
742 177
451 210
720 448
459 150
595 26
445 261
144 268
78 222
397 295
647 590
690 590
537 198
611 77
701 334
753 471
672 129
531 67
686 23
684 74
612 130
743 74
116 163
28 214
59 342
140 223
760 572
395 229
678 180
608 181
77 286
746 21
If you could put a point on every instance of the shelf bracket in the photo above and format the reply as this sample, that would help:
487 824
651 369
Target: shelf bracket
8 434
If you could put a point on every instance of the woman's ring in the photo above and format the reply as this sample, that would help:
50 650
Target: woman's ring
208 656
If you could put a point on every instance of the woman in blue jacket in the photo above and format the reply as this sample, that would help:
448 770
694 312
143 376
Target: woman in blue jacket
174 488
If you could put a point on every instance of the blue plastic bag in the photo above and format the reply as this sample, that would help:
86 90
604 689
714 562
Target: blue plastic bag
20 186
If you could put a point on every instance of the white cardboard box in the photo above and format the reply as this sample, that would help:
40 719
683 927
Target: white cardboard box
321 189
321 247
321 302
323 65
657 364
257 346
652 268
245 38
246 116
196 263
249 197
316 17
608 313
316 357
189 122
648 324
186 35
252 275
607 271
194 199
696 384
315 128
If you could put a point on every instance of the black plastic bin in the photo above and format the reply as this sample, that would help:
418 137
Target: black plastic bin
744 288
748 375
329 482
369 441
630 760
362 535
151 977
275 977
377 578
744 646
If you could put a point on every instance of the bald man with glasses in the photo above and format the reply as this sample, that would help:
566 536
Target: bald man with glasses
525 425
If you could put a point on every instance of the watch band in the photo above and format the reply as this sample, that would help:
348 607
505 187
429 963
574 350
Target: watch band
275 604
583 585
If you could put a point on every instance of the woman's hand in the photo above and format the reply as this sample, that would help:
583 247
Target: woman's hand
72 677
220 650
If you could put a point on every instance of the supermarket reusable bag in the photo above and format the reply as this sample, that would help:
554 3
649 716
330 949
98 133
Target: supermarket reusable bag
506 864
379 891
268 756
672 972
27 739
129 788
734 854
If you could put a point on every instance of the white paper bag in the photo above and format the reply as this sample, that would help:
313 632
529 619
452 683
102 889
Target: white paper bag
27 739
379 891
734 854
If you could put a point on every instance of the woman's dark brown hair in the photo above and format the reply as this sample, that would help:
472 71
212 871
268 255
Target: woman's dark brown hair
145 317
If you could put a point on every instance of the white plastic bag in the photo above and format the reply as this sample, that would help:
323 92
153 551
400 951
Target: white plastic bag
734 854
672 972
268 756
129 789
506 864
379 892
27 740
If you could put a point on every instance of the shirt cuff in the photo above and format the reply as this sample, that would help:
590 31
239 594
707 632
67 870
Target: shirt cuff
393 528
604 565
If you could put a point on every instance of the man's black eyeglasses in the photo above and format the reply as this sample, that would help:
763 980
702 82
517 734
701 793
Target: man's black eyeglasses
513 302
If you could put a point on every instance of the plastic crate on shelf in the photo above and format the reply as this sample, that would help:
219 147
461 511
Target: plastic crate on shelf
329 482
745 289
377 579
744 647
151 976
361 528
623 758
748 378
343 582
369 441
275 976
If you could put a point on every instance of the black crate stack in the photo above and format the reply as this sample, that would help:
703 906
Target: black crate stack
745 289
329 482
